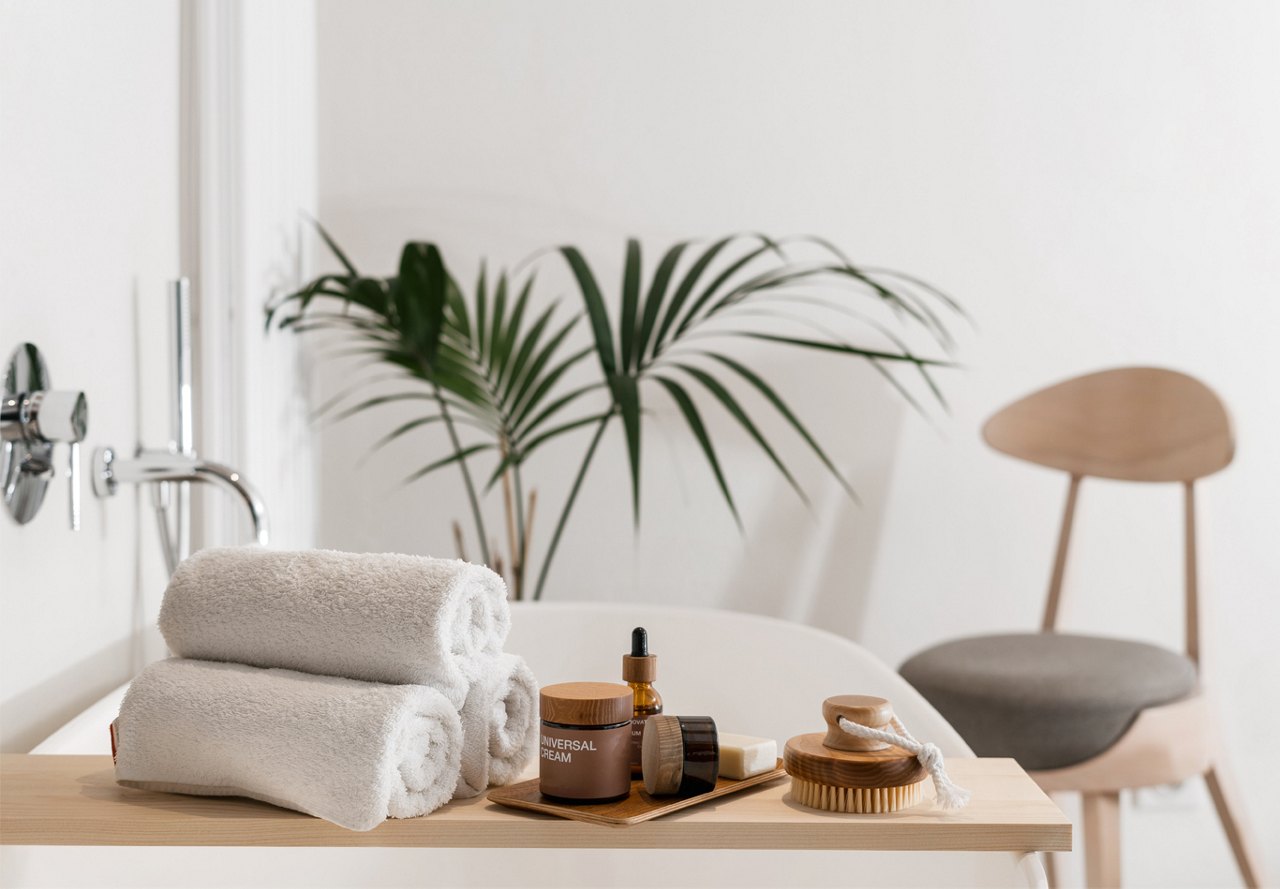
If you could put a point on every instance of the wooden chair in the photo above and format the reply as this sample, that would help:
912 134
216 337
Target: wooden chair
1087 714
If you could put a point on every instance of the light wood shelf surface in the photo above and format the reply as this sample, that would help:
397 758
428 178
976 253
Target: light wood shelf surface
74 800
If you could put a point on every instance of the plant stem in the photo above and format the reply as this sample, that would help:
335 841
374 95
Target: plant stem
466 473
517 557
457 541
568 506
508 513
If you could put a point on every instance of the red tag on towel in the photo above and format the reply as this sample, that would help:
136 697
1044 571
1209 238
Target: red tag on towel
114 741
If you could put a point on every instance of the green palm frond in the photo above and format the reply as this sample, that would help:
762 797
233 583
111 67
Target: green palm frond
730 278
485 365
500 364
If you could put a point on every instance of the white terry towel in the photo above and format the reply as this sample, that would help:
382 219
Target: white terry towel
499 726
379 617
350 752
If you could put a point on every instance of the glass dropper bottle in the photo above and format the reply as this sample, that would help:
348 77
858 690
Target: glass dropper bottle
639 670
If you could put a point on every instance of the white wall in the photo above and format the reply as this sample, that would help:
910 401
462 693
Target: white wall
88 238
96 105
1096 182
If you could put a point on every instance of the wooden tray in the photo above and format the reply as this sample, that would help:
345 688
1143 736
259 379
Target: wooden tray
637 807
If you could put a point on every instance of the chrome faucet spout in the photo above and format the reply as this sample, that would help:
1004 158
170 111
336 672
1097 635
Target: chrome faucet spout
162 466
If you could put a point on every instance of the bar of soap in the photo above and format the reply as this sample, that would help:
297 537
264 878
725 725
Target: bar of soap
742 756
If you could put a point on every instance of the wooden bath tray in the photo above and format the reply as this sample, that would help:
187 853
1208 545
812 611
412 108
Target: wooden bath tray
75 801
637 807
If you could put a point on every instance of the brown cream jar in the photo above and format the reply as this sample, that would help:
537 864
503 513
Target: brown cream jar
585 743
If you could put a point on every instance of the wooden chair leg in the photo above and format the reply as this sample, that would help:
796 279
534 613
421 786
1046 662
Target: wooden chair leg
1224 797
1101 813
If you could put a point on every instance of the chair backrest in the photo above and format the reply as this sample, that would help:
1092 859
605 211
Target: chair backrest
1143 424
753 674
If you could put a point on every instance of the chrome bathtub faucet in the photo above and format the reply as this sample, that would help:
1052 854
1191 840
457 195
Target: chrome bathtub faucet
169 470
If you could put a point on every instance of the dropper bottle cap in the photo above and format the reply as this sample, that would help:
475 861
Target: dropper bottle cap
639 666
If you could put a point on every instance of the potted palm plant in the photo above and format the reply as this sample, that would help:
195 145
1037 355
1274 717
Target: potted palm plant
494 371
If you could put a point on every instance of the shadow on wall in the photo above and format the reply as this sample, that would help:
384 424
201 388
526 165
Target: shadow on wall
815 564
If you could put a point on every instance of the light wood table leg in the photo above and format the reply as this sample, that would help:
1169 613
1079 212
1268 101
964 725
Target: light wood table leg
1101 813
1224 799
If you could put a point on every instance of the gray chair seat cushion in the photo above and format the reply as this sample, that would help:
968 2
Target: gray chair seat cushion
1046 699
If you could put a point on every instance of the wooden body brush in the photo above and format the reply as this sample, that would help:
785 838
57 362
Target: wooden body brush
840 772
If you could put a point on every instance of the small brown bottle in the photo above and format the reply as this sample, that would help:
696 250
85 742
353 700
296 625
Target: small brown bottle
639 669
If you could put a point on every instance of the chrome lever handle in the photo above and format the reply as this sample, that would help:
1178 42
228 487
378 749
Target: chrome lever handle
56 415
61 416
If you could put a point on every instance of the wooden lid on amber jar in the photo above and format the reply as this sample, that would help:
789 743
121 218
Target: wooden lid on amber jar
587 703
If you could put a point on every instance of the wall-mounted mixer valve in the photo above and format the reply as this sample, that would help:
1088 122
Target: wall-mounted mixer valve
33 418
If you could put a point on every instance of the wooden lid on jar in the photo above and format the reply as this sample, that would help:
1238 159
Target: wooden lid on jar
587 703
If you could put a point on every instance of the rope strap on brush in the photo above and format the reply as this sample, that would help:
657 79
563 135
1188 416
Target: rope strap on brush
950 796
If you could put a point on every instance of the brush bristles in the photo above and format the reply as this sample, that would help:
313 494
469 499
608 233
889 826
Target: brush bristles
859 800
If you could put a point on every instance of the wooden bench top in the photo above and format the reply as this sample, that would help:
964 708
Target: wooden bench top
74 800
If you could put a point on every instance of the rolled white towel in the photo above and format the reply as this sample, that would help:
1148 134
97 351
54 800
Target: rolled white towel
379 617
499 725
347 751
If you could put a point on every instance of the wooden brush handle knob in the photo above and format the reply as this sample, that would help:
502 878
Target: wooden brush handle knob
862 709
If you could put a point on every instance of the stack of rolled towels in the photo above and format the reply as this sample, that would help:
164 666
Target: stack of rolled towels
350 687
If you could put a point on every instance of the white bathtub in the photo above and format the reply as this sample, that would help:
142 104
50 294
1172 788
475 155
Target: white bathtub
600 632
